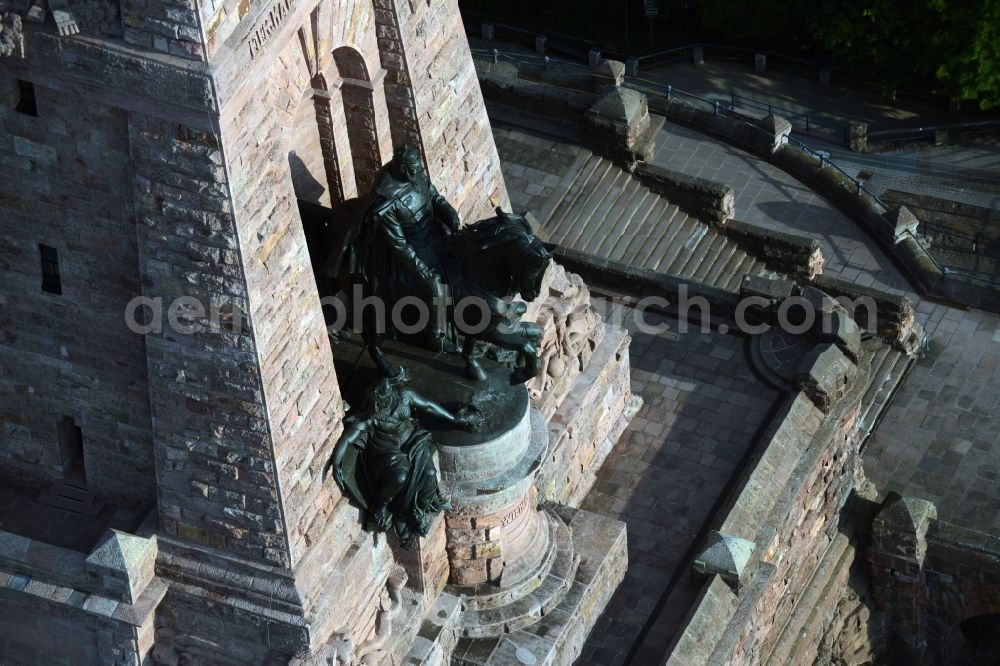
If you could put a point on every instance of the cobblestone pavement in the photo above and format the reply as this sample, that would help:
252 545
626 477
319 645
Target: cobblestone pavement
939 439
702 409
532 166
769 197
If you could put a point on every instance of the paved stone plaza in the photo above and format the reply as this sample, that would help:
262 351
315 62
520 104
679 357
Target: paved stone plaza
702 409
939 439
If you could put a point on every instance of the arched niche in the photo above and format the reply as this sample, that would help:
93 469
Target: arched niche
357 92
312 150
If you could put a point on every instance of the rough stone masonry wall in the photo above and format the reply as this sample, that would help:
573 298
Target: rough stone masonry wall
788 506
434 95
809 512
66 184
215 464
298 378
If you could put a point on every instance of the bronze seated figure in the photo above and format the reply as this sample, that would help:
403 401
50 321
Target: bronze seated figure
383 461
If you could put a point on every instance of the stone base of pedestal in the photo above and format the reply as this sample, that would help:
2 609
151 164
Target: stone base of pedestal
558 631
496 610
588 421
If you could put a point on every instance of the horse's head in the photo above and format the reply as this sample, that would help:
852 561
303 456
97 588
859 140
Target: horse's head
528 258
502 251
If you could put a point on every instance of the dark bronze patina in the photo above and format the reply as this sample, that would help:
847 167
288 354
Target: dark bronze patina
383 460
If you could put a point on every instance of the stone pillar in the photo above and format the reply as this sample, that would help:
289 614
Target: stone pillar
493 525
857 137
511 563
631 67
760 63
698 55
775 133
540 44
902 222
593 57
896 556
608 73
486 31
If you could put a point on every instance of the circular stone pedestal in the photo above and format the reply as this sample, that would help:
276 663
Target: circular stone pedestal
510 562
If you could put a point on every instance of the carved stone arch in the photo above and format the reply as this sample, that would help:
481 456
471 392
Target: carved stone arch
358 95
309 136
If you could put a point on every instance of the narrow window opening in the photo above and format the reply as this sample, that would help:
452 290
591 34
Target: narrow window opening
71 453
27 104
51 282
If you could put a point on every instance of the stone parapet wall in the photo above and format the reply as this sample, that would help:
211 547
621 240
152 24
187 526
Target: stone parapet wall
706 199
788 507
784 253
895 319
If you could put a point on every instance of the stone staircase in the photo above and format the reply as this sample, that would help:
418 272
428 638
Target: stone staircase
798 639
888 368
602 210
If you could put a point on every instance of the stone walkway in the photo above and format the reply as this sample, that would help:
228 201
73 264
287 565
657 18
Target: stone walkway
769 197
702 408
939 439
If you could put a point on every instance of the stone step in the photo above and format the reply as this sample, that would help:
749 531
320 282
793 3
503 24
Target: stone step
711 273
593 221
589 194
573 189
663 240
438 633
724 277
697 245
600 209
521 611
636 229
892 367
572 176
699 270
627 221
679 251
616 219
647 232
824 589
742 268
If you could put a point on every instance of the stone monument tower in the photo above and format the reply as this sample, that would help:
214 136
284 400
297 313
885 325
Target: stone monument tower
167 393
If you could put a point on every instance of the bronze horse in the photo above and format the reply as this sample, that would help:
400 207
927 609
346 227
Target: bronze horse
484 265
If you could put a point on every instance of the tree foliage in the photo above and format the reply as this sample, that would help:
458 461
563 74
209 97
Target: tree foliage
951 47
948 47
968 50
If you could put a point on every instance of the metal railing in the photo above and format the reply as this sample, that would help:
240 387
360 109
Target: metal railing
579 47
808 122
670 93
931 132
